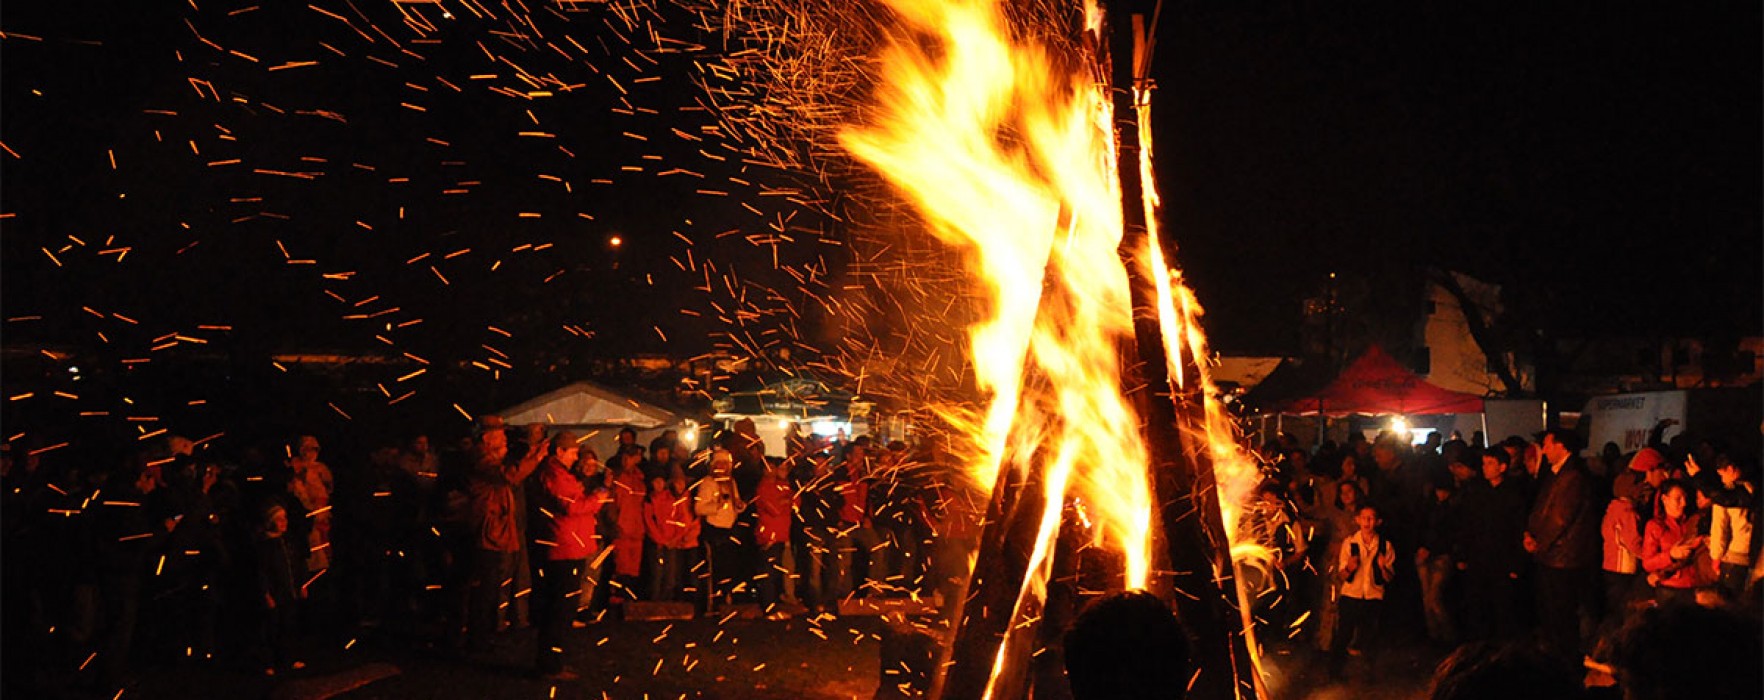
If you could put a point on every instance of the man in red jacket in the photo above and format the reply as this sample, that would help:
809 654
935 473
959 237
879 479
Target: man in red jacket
564 538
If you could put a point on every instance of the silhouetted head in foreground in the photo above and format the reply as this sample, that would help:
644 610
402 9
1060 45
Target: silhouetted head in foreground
1689 651
1504 671
1127 646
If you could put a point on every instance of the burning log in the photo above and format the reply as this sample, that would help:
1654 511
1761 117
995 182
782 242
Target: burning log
989 138
1190 541
987 637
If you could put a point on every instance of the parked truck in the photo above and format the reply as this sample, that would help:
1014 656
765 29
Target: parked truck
1732 415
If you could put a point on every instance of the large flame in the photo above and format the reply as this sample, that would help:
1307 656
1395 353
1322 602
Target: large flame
1007 149
1008 152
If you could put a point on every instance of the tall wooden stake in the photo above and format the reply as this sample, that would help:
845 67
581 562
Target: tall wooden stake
984 633
1191 542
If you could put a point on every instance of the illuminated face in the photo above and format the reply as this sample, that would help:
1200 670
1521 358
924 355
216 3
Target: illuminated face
1350 495
493 444
1729 474
1492 469
278 522
1673 502
566 454
1367 519
1553 449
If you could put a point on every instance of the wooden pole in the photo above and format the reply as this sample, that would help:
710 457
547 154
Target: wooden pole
1007 543
1190 535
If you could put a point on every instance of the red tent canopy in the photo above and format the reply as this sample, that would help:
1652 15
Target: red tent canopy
1377 384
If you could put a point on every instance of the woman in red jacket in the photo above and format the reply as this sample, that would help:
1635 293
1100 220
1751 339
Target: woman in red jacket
673 529
629 490
775 503
564 539
1672 549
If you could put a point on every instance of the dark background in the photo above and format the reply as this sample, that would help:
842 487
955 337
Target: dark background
1601 163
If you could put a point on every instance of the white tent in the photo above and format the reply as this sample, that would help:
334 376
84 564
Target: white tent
597 414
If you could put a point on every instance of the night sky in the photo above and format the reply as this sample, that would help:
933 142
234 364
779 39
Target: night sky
1602 162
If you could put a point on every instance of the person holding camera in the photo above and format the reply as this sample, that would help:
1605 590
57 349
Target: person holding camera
718 502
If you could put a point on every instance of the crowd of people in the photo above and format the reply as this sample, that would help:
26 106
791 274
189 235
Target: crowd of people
180 555
1450 542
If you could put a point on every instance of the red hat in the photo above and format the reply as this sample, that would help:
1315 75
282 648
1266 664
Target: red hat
1646 459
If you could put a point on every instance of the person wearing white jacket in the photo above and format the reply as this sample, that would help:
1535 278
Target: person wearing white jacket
1730 528
719 502
1366 562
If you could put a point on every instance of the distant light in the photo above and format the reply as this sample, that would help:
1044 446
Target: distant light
73 370
829 428
1399 424
783 423
615 241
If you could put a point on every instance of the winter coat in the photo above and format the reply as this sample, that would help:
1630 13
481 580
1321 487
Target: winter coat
854 508
1622 535
719 501
670 520
1730 530
1664 533
774 502
1492 539
494 506
1564 519
567 514
628 491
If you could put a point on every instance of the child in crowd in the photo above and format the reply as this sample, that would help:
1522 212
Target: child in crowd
280 570
673 528
629 490
1367 563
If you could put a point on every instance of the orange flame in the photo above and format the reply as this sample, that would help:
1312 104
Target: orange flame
1008 151
1009 155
